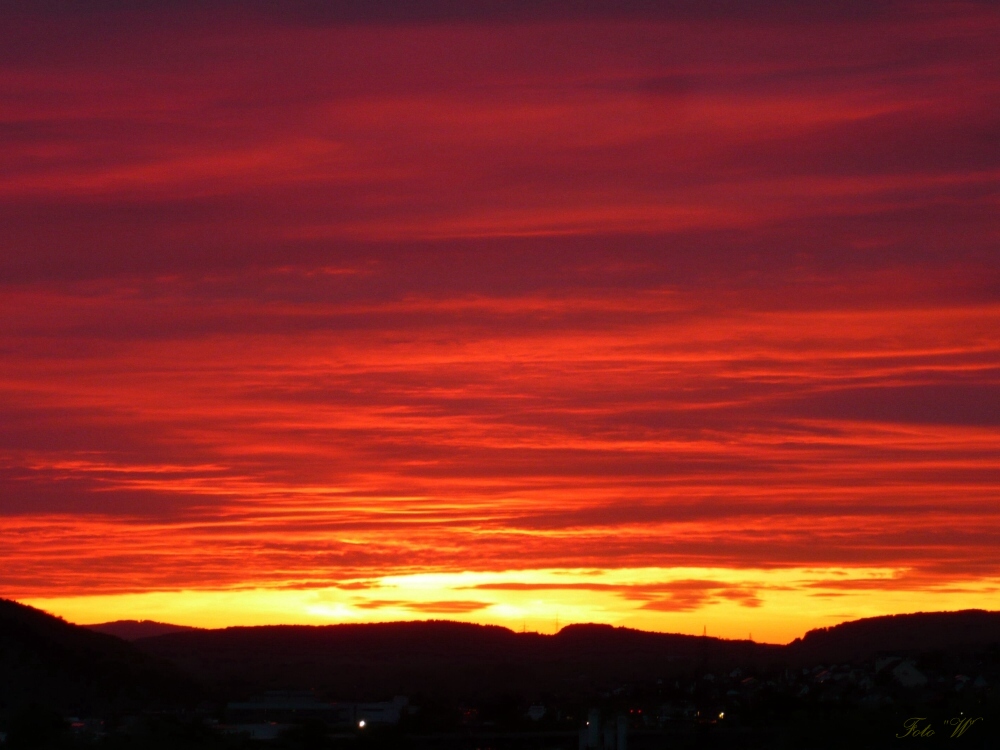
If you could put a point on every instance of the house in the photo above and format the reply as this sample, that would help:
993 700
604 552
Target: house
289 708
611 734
885 661
381 712
280 707
536 712
260 732
907 675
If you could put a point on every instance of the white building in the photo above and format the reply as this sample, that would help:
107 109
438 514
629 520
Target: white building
907 675
536 712
381 712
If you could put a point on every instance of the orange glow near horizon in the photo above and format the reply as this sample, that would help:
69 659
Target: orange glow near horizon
659 318
776 605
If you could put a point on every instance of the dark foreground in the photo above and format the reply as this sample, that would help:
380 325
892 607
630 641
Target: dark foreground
919 680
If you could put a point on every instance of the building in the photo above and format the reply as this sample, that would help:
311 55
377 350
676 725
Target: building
381 712
610 734
281 707
907 675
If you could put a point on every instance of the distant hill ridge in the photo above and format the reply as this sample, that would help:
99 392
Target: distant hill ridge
915 631
461 659
920 631
443 658
133 630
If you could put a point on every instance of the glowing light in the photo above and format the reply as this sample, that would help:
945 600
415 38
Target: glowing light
780 603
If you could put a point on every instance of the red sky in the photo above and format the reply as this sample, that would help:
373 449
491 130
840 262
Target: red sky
522 313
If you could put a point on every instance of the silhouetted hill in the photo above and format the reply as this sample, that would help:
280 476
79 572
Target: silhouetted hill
47 660
922 631
72 667
443 658
458 659
133 630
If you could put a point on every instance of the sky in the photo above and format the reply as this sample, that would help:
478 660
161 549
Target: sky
678 316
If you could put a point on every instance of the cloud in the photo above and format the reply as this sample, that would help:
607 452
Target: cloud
393 12
326 293
680 595
448 607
